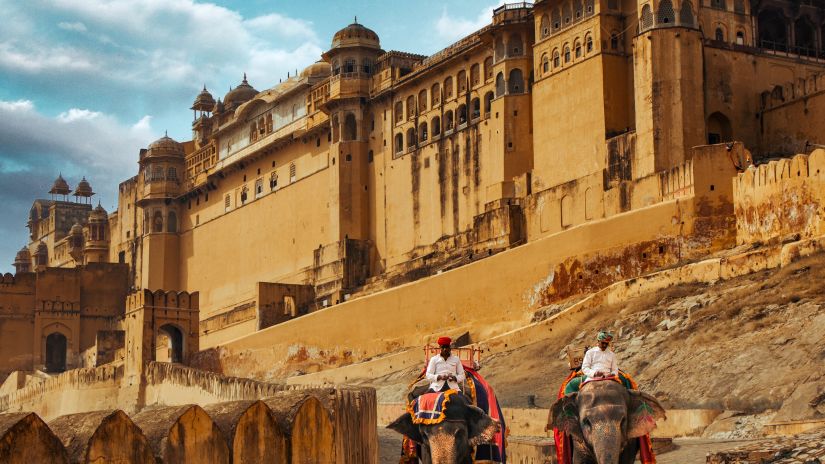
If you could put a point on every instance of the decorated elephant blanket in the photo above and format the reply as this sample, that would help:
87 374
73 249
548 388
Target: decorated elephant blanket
564 444
428 407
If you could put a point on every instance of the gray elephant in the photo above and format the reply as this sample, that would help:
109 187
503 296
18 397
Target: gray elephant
452 440
605 420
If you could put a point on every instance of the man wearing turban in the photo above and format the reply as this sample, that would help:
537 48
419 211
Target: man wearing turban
600 361
444 371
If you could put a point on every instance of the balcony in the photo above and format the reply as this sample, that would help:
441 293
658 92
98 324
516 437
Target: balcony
345 85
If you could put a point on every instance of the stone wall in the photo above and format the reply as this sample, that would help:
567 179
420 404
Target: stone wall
780 199
793 120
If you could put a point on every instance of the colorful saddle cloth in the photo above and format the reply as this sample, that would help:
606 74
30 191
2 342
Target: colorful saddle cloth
430 408
564 444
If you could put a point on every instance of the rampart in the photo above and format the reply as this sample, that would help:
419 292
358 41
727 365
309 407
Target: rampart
793 119
780 199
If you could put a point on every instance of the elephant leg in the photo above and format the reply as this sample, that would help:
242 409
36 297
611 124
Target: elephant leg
629 452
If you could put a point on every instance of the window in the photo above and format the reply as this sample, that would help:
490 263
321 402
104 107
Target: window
157 222
475 104
566 54
410 107
244 194
516 82
556 60
399 112
488 68
500 84
273 180
422 131
488 102
435 95
292 172
227 202
567 14
399 143
259 188
411 138
556 20
436 126
614 40
422 101
544 26
740 38
647 18
172 222
172 174
462 82
588 44
720 35
448 88
588 7
462 114
349 65
666 14
578 10
157 173
500 50
514 45
686 13
578 49
475 75
366 66
545 63
350 128
448 120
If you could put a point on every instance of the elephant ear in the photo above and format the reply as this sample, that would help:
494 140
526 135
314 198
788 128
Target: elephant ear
404 425
564 415
481 428
643 412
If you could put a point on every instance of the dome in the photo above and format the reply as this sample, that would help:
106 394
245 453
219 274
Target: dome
318 69
98 214
60 186
77 229
165 146
23 256
84 189
356 35
204 101
218 107
240 94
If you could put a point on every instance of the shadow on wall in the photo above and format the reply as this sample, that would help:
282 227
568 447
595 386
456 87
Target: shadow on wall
292 426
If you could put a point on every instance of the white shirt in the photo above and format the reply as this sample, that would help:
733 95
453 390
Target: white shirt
440 366
596 360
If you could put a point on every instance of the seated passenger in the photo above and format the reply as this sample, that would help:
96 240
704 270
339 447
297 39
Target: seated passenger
445 371
600 361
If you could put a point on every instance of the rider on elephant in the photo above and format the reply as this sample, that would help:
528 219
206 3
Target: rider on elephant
600 362
444 371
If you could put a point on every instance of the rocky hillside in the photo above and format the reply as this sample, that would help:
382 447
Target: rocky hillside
753 344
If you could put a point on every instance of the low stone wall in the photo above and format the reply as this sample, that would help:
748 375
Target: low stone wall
309 425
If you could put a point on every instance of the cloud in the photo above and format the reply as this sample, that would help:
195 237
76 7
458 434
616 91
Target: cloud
452 28
34 148
76 26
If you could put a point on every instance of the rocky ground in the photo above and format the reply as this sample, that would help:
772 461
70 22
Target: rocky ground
752 346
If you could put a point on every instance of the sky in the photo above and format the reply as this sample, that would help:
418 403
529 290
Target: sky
85 84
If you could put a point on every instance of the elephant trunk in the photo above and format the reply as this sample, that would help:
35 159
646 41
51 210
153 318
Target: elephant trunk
442 448
607 444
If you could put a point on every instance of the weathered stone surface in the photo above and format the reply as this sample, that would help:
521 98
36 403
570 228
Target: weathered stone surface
102 437
26 439
251 431
183 434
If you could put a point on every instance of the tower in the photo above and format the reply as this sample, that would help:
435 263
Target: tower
202 108
23 261
96 248
159 178
668 75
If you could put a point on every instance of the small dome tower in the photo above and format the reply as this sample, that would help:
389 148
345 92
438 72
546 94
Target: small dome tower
23 261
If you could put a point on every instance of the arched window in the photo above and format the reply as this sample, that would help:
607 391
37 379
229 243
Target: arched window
448 120
566 53
588 7
422 101
577 47
719 129
399 112
500 50
475 104
172 222
253 132
157 222
422 131
515 83
336 128
500 85
56 348
719 4
461 112
578 10
514 45
462 82
588 43
169 344
410 107
436 126
556 20
399 143
488 102
666 14
740 38
435 95
448 88
171 174
686 13
411 138
350 128
567 14
336 67
647 18
475 75
805 36
488 68
719 35
556 59
544 26
772 30
349 65
545 64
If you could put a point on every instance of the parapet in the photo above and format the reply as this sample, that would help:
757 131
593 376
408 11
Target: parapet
162 299
792 90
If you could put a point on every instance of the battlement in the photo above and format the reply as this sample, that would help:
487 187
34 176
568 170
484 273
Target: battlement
788 92
161 299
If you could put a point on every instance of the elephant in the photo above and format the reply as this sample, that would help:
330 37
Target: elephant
451 441
604 420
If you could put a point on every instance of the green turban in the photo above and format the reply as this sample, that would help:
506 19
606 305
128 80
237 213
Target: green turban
604 335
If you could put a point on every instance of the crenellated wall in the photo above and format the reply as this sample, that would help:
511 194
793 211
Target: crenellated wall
793 116
780 198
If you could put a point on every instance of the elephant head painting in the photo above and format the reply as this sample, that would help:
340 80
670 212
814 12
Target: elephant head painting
605 420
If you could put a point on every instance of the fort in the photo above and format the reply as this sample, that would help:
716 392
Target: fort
569 155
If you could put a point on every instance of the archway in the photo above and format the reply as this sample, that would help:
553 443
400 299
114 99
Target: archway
56 346
169 344
719 129
772 30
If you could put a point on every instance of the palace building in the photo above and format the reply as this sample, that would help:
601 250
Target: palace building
371 168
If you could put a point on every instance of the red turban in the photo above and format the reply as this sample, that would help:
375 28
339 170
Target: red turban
444 341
